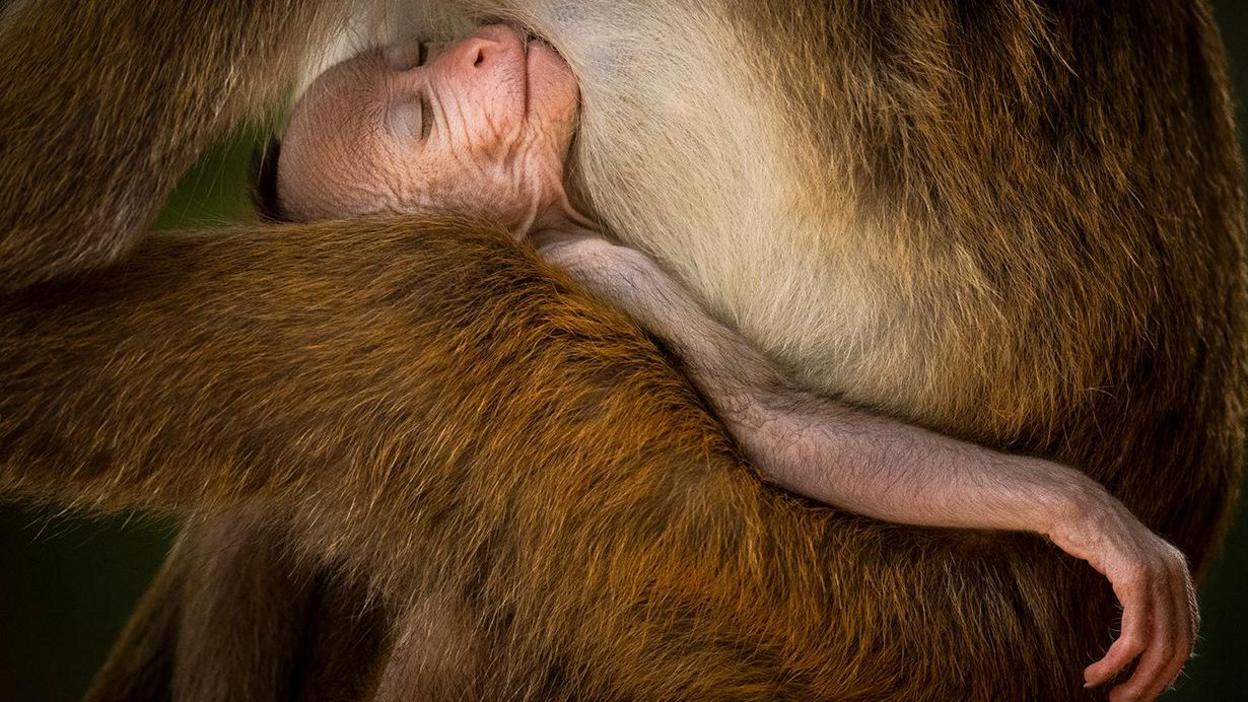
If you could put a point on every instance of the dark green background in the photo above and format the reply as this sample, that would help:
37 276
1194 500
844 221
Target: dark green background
67 584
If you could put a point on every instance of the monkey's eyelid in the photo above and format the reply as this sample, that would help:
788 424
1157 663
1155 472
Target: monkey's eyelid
426 115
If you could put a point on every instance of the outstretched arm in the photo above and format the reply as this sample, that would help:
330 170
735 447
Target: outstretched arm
887 469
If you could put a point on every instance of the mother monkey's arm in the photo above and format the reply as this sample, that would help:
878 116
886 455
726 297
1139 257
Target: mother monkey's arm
430 405
414 394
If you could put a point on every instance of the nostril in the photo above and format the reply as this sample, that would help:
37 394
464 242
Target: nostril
480 58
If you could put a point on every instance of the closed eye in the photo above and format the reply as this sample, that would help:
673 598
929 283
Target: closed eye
410 116
426 115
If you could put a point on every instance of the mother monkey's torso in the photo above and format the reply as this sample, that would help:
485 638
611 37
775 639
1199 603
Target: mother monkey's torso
1013 222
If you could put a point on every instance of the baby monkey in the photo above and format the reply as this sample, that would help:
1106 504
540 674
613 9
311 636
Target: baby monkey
483 127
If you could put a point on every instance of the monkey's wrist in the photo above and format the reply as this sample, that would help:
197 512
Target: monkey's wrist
1037 495
1077 512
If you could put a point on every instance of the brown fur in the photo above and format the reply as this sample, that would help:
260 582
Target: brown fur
1041 202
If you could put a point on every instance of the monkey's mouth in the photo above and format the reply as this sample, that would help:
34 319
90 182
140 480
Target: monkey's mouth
526 44
529 42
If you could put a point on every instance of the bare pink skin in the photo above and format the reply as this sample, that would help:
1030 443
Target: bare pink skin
483 129
483 126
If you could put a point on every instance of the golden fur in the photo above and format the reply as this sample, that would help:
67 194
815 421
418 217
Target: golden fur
1018 222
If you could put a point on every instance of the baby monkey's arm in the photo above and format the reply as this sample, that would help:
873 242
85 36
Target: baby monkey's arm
884 468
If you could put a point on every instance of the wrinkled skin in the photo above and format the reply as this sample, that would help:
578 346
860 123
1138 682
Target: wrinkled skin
480 126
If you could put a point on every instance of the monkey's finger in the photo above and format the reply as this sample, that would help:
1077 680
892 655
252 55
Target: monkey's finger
1155 659
1131 640
1185 635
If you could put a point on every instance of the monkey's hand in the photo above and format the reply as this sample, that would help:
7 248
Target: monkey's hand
1150 578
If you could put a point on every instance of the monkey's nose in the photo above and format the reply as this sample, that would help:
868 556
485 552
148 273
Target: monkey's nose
479 53
489 44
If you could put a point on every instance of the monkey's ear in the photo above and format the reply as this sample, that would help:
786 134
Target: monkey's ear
264 181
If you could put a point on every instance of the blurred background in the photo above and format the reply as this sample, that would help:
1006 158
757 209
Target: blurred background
67 584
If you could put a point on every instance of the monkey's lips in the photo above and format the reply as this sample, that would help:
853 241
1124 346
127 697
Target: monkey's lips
550 88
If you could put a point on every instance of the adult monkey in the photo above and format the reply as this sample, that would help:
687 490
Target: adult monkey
1016 239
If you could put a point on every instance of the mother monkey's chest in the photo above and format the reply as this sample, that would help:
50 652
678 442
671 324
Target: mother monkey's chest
971 215
966 241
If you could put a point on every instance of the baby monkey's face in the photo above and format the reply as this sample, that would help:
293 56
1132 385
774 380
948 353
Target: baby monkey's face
480 127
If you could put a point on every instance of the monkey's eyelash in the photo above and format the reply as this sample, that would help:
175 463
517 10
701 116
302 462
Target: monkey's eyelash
426 115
